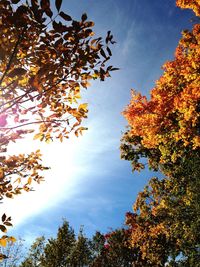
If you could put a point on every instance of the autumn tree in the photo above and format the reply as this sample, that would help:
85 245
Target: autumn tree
98 250
165 221
113 250
13 252
166 131
35 253
46 60
67 249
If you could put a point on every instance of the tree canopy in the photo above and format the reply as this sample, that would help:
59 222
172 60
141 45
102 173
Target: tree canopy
165 131
46 60
69 249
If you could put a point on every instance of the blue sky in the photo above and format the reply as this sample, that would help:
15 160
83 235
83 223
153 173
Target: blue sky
88 183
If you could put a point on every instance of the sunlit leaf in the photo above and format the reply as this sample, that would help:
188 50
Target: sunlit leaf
3 242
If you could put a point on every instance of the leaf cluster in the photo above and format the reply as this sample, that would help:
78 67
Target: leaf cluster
164 131
46 60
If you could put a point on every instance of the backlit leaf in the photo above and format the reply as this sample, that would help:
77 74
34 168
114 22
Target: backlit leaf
84 17
65 16
58 4
3 218
3 242
3 228
17 72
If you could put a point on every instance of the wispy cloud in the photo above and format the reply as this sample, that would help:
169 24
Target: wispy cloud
129 42
71 162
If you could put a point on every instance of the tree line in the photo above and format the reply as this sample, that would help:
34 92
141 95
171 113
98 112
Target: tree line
70 250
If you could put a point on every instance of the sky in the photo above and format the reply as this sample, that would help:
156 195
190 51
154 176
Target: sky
88 184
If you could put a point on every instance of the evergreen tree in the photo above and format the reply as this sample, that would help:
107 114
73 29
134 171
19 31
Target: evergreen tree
81 252
58 250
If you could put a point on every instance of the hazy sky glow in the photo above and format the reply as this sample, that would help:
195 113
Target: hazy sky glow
88 184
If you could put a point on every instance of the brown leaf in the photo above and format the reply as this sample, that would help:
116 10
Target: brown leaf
17 71
8 224
65 16
45 5
2 257
58 4
84 17
3 228
15 1
109 51
3 218
103 53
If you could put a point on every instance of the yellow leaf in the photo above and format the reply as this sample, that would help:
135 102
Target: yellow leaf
48 140
95 76
37 136
29 180
3 242
83 107
18 180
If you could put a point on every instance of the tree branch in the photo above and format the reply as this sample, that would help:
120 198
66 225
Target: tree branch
12 56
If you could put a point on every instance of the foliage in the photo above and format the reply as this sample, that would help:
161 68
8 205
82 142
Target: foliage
81 252
165 130
113 250
35 254
57 250
166 127
46 60
14 252
194 5
110 250
166 218
63 250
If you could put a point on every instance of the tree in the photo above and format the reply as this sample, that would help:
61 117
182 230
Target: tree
81 252
165 130
62 251
57 251
35 255
46 60
98 250
14 253
110 250
194 5
113 250
166 218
